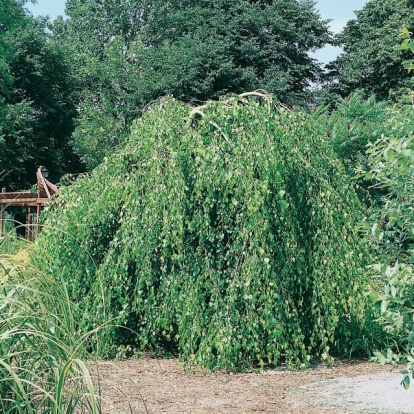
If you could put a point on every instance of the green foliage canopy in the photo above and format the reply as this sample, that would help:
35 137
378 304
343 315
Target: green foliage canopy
371 60
191 50
225 46
228 230
351 125
36 101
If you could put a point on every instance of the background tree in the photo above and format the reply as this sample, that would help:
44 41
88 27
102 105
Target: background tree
104 40
370 60
11 15
36 104
204 49
192 50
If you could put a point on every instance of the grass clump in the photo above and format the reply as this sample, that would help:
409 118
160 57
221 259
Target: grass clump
40 349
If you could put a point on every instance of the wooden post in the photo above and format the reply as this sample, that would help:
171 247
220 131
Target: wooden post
2 215
38 209
2 218
28 223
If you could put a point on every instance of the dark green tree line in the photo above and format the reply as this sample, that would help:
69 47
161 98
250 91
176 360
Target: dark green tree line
36 103
371 60
129 53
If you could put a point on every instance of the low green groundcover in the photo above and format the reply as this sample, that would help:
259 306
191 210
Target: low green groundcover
228 232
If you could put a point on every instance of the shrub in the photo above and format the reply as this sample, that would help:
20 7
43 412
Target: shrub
351 125
227 231
391 167
391 161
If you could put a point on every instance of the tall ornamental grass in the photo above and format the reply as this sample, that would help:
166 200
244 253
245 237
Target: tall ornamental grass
40 347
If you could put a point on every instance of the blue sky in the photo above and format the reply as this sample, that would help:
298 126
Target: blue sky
340 11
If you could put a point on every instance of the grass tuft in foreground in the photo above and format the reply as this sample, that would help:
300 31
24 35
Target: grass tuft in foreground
41 367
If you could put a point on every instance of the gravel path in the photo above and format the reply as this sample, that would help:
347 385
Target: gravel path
353 387
379 393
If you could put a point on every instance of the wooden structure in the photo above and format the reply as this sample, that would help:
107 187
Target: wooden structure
34 203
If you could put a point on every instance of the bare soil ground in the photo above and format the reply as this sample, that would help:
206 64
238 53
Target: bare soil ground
162 386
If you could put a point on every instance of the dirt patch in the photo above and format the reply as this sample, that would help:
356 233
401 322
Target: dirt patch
354 387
